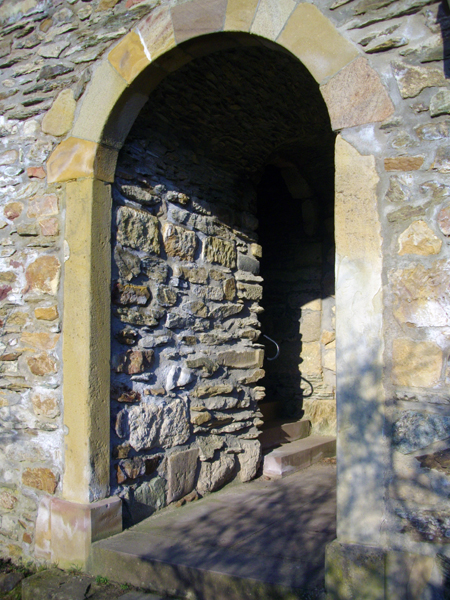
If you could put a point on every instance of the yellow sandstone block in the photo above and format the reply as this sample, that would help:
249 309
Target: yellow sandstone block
240 14
315 41
129 57
157 32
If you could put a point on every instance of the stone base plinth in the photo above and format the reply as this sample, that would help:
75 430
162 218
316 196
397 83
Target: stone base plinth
357 571
65 530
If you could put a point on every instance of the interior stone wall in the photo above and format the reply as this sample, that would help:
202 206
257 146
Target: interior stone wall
188 382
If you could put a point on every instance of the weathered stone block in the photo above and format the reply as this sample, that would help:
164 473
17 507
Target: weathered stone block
212 389
42 364
310 326
216 250
198 18
240 14
157 31
181 473
416 364
152 493
130 294
134 361
249 291
161 425
356 96
311 37
412 80
41 340
322 414
421 295
43 206
249 459
49 227
59 118
418 238
215 474
45 405
443 219
7 500
403 163
179 242
73 158
166 296
442 160
13 210
311 360
138 229
241 359
270 17
415 430
440 103
40 479
129 57
247 263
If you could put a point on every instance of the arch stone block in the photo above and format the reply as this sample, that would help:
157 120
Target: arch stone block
240 14
198 17
157 32
356 96
76 159
311 37
104 91
271 17
129 57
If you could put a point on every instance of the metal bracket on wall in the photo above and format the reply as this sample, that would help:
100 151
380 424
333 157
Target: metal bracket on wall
277 346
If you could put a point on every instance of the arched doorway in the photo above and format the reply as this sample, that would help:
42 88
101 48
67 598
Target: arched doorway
85 163
198 203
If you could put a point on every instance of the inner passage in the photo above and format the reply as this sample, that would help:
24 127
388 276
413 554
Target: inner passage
222 232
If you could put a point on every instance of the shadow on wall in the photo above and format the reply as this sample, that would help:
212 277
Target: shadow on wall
393 468
443 21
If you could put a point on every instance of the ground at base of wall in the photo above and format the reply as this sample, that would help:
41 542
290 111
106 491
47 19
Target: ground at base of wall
55 584
18 582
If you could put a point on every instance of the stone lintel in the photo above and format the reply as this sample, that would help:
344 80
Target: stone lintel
74 527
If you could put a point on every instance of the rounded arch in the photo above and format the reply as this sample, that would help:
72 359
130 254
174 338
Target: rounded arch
85 162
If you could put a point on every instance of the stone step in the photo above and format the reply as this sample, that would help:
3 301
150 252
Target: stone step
280 432
178 568
298 455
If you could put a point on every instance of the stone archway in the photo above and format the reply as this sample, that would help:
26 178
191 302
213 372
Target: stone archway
85 163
